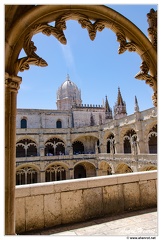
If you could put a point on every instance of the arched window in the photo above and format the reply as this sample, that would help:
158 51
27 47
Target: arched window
26 175
111 144
26 148
54 146
23 123
79 172
78 147
55 173
130 142
59 124
152 140
127 145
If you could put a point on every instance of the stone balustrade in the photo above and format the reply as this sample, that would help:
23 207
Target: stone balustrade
49 204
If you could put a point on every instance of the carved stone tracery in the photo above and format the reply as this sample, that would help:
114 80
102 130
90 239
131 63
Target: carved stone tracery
124 45
30 48
150 80
92 28
152 30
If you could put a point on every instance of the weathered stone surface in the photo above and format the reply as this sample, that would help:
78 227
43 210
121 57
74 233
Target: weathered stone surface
113 199
20 215
52 212
34 212
93 204
131 193
72 206
148 193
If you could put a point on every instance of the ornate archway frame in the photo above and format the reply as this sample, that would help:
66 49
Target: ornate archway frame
37 20
20 35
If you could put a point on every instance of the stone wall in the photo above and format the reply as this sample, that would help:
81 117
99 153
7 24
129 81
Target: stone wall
49 204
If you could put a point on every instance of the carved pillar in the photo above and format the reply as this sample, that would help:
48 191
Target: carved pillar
117 143
70 174
42 176
41 145
12 84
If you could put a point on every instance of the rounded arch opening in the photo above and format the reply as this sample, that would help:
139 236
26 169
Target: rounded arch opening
78 147
123 168
77 12
55 172
26 174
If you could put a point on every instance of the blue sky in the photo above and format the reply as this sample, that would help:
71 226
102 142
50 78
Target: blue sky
94 66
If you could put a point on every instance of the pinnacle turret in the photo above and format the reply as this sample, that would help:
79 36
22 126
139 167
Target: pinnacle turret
120 107
136 107
108 110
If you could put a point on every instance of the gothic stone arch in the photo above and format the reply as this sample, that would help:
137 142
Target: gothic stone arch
22 22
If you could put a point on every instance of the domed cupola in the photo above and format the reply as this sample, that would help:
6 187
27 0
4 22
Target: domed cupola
68 95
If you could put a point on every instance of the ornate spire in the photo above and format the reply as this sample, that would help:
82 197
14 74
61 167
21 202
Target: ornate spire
107 107
136 107
108 110
119 98
120 107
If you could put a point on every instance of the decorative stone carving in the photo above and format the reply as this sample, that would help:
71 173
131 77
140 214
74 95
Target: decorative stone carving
12 82
143 75
91 27
29 47
124 45
152 30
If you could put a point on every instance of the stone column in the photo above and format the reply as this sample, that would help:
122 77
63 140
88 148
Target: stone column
12 84
42 176
71 173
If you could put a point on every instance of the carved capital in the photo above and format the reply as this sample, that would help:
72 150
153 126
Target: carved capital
12 82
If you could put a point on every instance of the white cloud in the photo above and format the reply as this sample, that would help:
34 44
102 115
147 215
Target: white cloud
68 55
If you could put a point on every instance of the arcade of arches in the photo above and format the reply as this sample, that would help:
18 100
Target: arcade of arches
22 22
83 158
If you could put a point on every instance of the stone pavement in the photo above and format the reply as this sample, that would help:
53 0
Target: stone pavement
138 223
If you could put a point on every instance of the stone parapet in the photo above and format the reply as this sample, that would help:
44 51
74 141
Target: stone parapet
44 205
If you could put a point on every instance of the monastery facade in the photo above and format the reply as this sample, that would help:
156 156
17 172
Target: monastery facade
78 141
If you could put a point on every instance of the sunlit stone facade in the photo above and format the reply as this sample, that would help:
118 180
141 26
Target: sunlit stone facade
78 141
